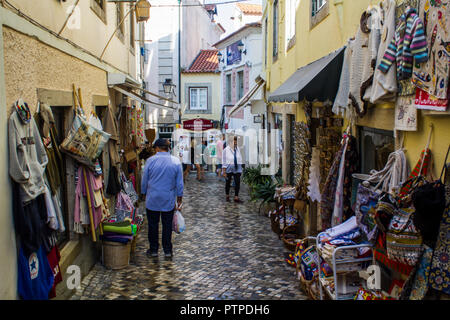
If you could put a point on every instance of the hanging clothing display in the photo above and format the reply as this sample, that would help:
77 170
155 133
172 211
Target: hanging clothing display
432 76
409 46
82 206
314 176
384 85
46 124
53 258
27 155
341 101
363 59
35 276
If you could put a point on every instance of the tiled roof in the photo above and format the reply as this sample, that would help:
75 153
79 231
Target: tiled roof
206 61
250 9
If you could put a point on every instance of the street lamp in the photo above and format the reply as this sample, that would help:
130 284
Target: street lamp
142 10
168 86
240 47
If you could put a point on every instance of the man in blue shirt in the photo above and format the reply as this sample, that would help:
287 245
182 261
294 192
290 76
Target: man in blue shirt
162 185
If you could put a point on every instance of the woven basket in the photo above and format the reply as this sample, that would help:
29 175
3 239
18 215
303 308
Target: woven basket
290 237
115 255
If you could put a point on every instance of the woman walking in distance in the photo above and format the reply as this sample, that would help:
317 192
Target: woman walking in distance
232 168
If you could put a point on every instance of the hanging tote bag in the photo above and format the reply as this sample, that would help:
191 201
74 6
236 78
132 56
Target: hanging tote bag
124 206
403 240
129 189
84 142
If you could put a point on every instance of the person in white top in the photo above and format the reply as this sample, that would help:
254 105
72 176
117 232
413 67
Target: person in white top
232 167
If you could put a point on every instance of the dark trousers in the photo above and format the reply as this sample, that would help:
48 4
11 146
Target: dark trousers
237 183
153 218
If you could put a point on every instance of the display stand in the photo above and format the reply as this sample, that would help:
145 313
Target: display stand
344 292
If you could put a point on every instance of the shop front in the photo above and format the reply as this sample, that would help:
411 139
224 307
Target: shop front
368 157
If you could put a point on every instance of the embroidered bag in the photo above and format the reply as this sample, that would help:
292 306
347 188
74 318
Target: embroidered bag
84 142
403 240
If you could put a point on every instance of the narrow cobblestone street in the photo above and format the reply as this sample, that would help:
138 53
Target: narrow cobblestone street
226 252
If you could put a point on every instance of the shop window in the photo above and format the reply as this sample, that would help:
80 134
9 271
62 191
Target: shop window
319 11
240 84
228 88
198 98
375 147
275 31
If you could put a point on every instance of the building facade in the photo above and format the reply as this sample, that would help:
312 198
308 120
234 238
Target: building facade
47 48
300 34
174 36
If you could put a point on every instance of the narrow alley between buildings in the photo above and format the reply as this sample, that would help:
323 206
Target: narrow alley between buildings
226 252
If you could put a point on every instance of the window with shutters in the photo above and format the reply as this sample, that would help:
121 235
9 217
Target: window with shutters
198 98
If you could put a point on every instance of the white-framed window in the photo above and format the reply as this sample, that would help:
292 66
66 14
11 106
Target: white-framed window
290 10
317 5
198 98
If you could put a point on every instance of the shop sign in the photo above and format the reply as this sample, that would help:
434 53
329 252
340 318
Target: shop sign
427 102
233 53
198 124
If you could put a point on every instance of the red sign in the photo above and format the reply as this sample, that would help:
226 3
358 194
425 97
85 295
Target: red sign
198 124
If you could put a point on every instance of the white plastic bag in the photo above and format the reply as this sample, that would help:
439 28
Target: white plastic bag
178 224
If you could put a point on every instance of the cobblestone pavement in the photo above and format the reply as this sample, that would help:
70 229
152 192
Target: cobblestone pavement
228 251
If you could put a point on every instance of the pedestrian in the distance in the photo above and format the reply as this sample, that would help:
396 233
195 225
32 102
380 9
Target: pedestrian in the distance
219 152
162 185
232 168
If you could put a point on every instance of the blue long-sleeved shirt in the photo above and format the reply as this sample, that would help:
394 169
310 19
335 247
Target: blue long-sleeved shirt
162 182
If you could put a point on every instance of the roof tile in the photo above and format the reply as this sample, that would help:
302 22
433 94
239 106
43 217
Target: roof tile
206 61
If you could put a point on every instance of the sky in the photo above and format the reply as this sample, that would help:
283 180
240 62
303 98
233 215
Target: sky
225 11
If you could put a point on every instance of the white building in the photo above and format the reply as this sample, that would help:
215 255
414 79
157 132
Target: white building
241 66
174 36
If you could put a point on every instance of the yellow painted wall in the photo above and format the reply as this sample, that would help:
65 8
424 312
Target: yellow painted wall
327 36
311 44
416 141
30 64
214 79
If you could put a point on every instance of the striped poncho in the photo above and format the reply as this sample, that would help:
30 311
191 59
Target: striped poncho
408 45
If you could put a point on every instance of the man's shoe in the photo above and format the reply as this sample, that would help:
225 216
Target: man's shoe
152 254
